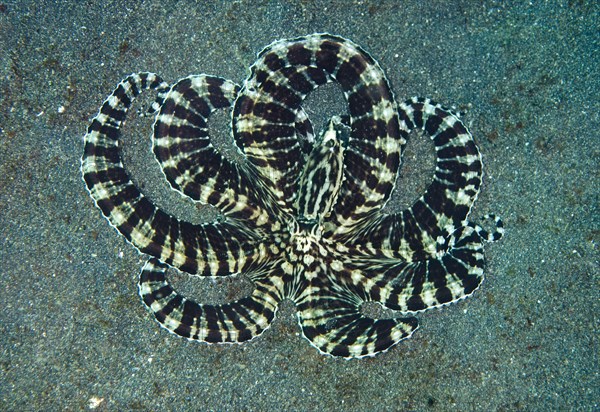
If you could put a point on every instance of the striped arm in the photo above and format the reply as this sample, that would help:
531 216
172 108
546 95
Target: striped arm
233 322
331 321
286 71
214 249
454 274
446 203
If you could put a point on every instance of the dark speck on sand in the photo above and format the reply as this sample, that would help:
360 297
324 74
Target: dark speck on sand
74 335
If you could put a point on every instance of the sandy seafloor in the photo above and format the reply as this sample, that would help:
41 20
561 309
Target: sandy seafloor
74 335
